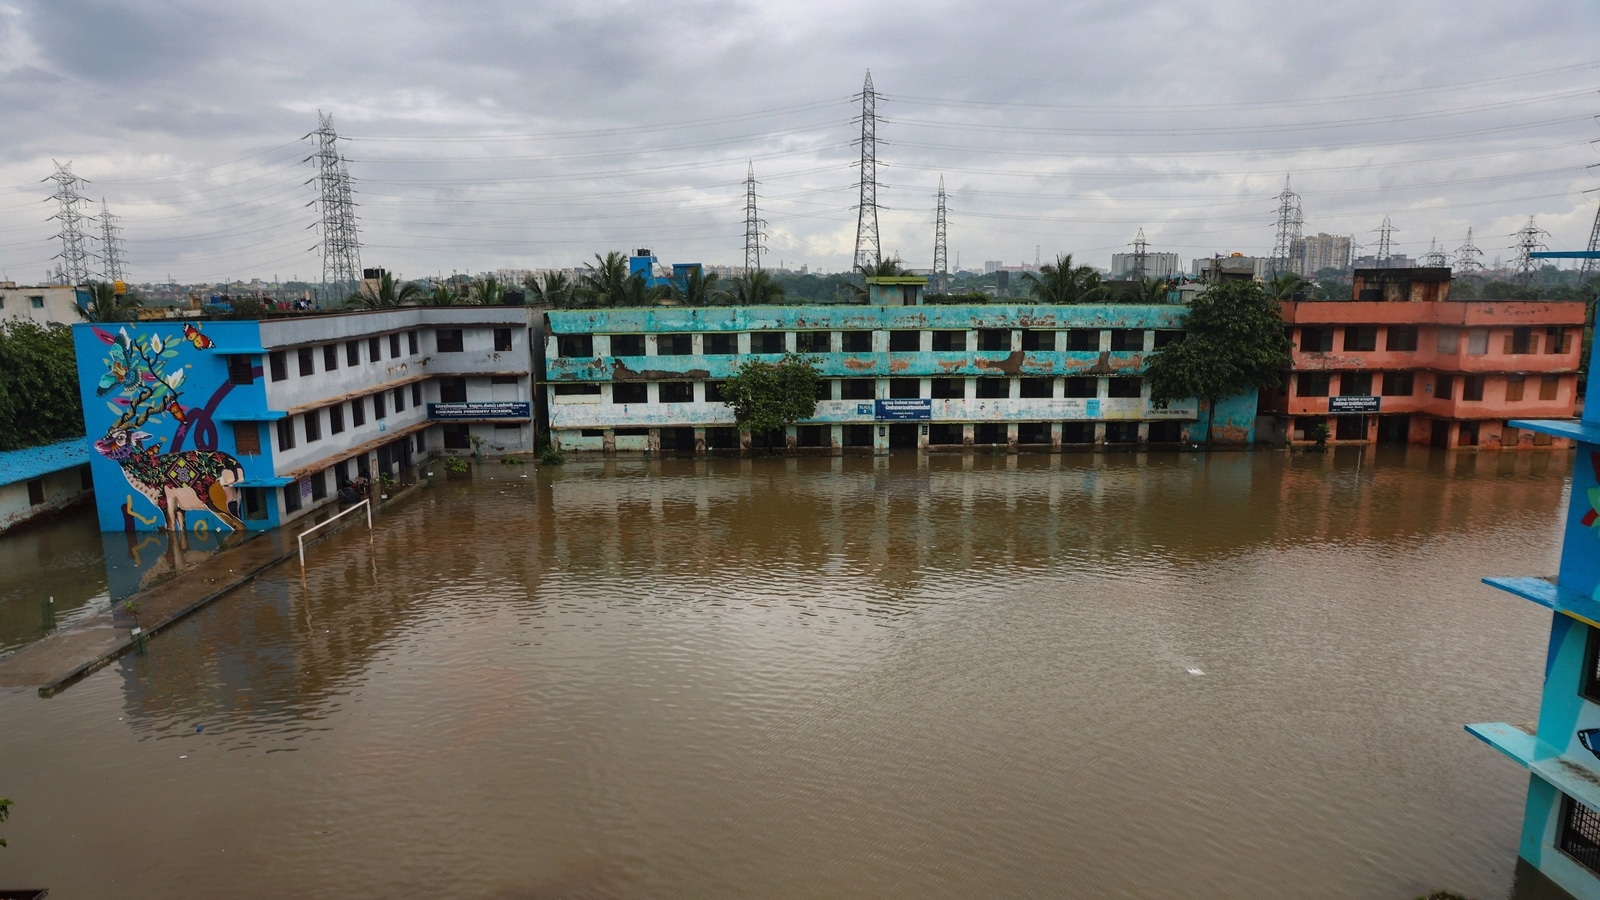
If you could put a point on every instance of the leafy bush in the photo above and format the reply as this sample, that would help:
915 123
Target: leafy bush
767 396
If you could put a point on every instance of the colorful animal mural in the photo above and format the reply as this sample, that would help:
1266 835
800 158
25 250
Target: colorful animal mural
178 483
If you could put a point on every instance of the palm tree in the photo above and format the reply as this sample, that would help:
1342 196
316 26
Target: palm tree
388 295
486 291
606 283
1153 291
1285 286
888 268
551 289
441 295
699 289
1062 283
106 305
756 288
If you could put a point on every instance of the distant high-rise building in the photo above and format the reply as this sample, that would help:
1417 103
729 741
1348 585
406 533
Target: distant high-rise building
1395 261
1156 265
1310 255
991 266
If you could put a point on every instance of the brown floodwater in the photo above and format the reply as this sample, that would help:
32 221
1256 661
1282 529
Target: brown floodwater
1173 675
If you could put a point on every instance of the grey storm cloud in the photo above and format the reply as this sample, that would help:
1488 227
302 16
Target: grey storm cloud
487 135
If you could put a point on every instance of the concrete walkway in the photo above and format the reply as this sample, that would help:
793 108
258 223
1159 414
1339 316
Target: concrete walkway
53 663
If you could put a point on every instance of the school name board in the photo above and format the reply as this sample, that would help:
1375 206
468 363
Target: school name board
498 409
908 410
1353 404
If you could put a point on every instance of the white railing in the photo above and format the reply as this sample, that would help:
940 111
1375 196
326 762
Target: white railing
301 540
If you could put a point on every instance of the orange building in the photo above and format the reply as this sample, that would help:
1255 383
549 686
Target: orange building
1404 363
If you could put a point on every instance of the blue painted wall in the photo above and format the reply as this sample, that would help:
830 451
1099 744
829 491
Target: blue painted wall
156 405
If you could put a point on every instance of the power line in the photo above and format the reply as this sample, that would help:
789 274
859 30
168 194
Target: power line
868 251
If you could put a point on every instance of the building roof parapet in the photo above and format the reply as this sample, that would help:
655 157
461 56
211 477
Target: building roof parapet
33 462
864 318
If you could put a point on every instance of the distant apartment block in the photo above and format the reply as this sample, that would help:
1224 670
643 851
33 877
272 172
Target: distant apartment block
1156 265
1313 254
41 304
1233 266
1405 363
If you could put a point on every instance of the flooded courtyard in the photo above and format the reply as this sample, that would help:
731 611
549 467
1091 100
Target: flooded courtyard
1164 675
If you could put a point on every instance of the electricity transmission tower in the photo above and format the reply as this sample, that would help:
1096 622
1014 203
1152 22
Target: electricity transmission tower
752 223
1527 244
1141 255
1590 264
1385 233
941 252
111 244
1289 224
74 255
1467 261
1435 257
868 251
341 247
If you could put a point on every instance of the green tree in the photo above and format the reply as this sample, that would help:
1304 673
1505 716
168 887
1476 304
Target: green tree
756 288
552 289
887 268
1285 286
486 291
441 295
39 401
1234 341
1063 283
699 289
106 305
606 283
767 396
1153 291
388 295
5 813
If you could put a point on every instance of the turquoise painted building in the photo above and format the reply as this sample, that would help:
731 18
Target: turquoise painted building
1561 751
895 374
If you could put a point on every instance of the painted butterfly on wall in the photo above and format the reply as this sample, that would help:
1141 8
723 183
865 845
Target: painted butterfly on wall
193 336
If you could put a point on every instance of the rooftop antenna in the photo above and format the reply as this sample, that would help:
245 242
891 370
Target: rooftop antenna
1290 222
941 253
869 253
74 266
111 244
341 247
752 223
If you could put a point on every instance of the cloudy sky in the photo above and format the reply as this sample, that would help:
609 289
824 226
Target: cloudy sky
485 135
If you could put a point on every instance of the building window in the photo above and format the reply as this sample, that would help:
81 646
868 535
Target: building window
676 392
1123 387
36 302
575 346
394 345
949 388
1355 384
674 344
457 437
1520 340
313 427
855 341
593 390
1168 337
858 389
1401 338
1449 340
1040 341
1127 340
399 399
1083 340
308 362
411 343
246 438
1316 340
319 486
1360 338
1514 384
291 497
502 340
766 342
1311 384
627 345
905 341
378 410
330 357
1477 341
241 370
336 419
1444 387
452 390
720 345
905 388
447 340
278 364
1557 340
422 442
1549 386
352 353
416 393
992 339
630 392
1398 384
1037 388
35 491
1580 834
949 341
358 412
1079 386
993 388
285 434
374 350
813 341
1472 387
713 392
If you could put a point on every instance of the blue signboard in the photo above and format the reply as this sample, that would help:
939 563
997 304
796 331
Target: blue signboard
1353 404
496 409
911 410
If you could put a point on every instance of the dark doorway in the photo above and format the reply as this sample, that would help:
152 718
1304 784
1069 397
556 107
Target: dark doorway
1350 428
1394 429
903 437
858 435
945 435
1441 433
677 440
1166 432
989 433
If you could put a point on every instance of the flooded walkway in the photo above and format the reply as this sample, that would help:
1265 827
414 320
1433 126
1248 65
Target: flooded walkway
1241 675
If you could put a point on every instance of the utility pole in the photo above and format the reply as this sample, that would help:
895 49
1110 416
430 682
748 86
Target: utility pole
74 255
752 223
868 251
1141 256
941 253
1385 233
341 247
1290 221
111 243
1467 261
1527 244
